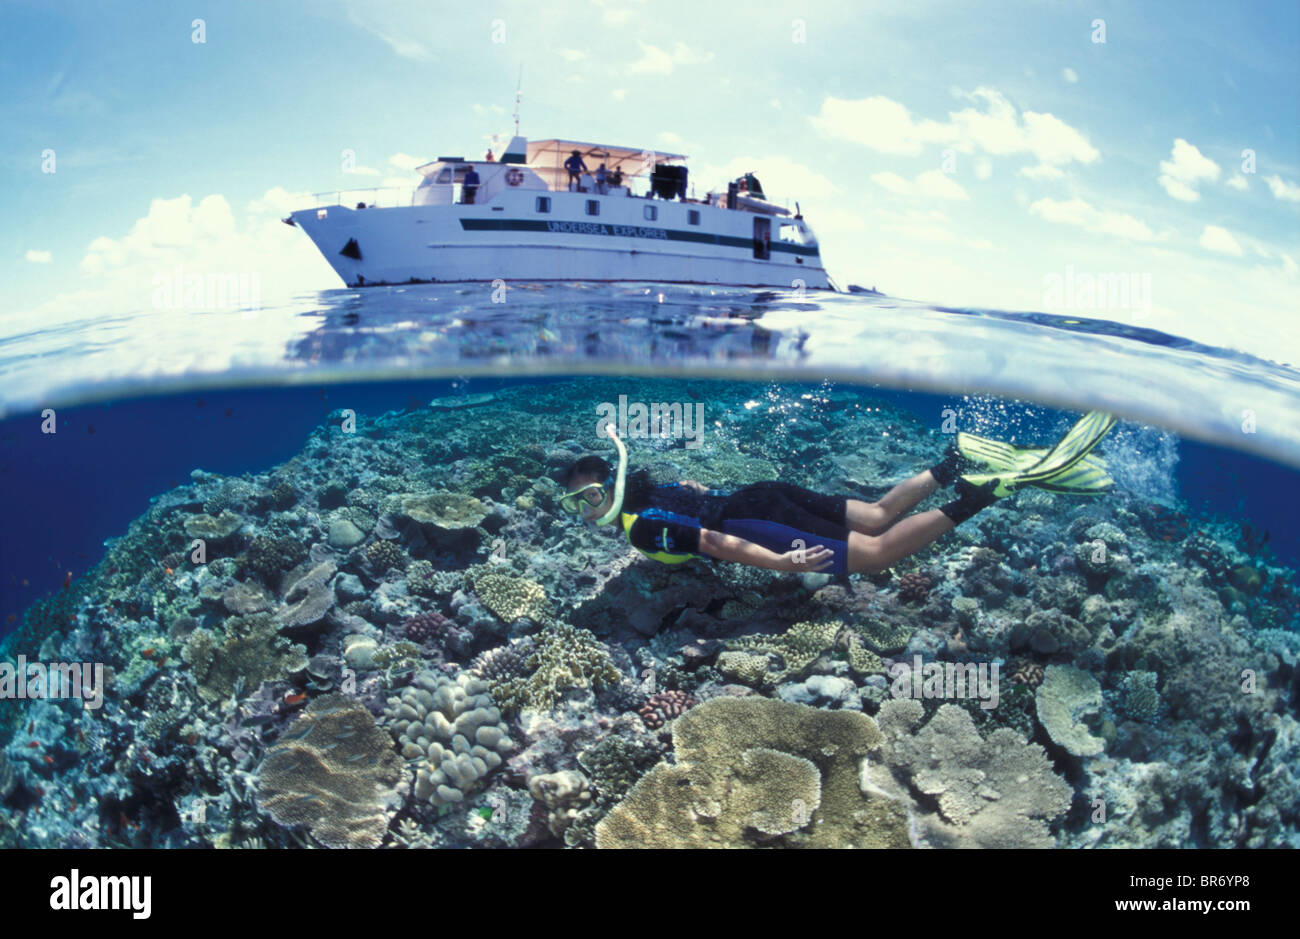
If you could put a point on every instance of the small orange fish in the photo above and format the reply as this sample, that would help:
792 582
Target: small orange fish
34 744
291 698
169 571
147 653
49 760
67 580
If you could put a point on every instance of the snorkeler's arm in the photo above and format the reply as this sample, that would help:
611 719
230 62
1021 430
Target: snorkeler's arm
730 548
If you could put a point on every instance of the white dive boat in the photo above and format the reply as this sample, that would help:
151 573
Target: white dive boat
528 219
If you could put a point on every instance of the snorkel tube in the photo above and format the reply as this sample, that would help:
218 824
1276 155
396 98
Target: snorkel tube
619 480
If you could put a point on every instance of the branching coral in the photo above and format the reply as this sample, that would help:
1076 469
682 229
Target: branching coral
562 657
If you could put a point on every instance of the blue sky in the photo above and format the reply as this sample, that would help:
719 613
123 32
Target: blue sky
960 153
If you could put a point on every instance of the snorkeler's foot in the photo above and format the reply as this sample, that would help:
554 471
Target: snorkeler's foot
970 499
953 464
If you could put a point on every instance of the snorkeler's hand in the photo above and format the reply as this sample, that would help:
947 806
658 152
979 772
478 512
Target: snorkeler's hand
692 484
804 560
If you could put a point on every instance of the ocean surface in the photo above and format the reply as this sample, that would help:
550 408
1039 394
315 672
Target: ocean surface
300 575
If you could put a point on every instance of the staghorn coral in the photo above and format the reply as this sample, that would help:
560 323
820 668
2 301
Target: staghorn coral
450 731
998 792
248 652
562 657
753 771
1065 695
511 598
334 771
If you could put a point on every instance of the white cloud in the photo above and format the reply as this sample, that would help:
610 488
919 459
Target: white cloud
983 168
38 257
932 184
1219 239
404 161
998 129
1283 189
1070 75
1080 214
1239 182
363 171
618 94
655 61
776 103
1042 171
668 137
572 55
1186 168
616 17
388 25
783 179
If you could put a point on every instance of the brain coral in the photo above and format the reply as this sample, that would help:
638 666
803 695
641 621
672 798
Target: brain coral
759 771
994 793
333 770
1065 696
450 731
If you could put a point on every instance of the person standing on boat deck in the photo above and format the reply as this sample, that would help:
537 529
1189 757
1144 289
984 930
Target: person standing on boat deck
602 175
616 179
489 156
470 186
576 167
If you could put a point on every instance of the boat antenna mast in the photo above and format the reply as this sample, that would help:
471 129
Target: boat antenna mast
518 90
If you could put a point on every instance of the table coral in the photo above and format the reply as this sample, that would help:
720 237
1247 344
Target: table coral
1066 695
759 771
334 771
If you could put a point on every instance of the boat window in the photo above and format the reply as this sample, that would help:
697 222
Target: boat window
651 212
793 233
593 207
445 176
693 216
543 203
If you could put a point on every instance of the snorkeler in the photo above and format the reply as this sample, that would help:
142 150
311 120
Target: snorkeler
782 527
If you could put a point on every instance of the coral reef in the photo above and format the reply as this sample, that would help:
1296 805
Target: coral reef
561 657
753 770
333 771
664 707
451 731
1066 695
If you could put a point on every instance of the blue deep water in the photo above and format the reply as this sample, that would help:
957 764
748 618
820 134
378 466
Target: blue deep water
386 589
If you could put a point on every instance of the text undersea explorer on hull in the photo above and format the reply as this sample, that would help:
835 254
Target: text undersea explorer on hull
782 527
563 210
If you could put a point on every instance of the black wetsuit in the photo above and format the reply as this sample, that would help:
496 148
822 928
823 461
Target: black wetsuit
779 516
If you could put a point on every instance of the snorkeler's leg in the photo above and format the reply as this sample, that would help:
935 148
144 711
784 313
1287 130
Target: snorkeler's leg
873 518
868 553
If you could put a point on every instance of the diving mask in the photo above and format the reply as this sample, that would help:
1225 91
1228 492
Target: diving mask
593 494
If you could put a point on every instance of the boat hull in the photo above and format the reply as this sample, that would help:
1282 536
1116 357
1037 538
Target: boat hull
510 240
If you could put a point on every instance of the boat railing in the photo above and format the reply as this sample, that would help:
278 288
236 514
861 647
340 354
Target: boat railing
384 197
